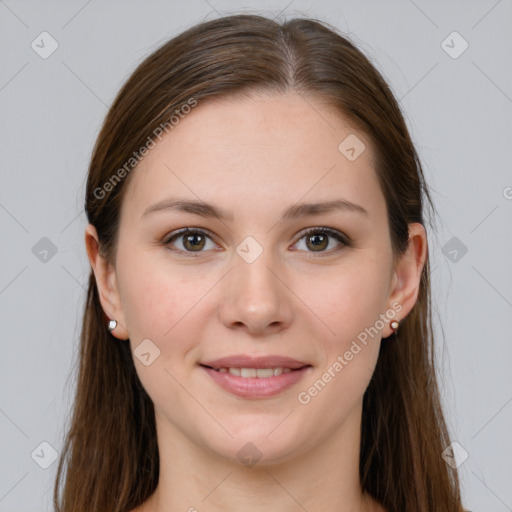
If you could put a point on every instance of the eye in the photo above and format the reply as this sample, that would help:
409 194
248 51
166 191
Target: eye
318 240
191 240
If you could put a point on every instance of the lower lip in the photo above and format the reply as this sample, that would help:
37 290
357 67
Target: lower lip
256 387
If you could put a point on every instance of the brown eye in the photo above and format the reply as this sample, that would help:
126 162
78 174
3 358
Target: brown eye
189 241
194 242
318 242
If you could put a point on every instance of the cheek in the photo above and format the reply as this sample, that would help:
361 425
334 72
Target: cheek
348 299
150 305
159 305
350 305
162 302
152 296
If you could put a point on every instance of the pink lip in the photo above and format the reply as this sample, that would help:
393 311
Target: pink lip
256 387
243 361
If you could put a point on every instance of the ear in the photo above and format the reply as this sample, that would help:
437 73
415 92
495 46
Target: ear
407 273
106 282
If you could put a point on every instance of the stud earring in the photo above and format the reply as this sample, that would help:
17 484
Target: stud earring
394 325
112 325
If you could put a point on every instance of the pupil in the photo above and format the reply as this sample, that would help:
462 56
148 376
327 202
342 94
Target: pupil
194 240
317 240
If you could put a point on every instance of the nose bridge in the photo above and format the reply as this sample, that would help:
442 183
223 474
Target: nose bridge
252 275
254 296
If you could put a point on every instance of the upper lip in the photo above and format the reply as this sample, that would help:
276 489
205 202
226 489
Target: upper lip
244 361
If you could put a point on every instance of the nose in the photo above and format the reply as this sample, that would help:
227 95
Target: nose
256 298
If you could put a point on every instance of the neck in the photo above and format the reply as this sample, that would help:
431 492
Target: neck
324 477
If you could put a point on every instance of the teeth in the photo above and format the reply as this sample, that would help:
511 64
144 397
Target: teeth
264 372
248 372
255 372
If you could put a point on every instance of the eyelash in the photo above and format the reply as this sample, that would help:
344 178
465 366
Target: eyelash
344 240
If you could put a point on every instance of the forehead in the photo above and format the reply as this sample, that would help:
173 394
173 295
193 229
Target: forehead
249 150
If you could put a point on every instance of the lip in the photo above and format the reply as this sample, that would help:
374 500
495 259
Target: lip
256 387
244 361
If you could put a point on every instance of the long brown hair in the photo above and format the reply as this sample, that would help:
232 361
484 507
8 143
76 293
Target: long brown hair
110 460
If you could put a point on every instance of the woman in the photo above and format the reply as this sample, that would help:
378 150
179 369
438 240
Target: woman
257 332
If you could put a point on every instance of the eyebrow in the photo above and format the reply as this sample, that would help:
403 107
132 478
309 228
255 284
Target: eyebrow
203 209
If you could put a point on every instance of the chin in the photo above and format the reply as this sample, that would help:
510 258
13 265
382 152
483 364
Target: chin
258 446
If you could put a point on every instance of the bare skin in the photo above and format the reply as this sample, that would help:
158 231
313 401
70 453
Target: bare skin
254 158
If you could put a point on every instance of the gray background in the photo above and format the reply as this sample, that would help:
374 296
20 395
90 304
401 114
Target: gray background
459 113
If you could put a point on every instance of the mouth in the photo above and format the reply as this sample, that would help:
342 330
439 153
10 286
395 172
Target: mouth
256 383
259 373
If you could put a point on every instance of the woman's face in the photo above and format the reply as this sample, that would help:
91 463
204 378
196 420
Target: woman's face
253 283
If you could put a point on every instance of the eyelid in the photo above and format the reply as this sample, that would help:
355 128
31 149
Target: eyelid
175 234
338 235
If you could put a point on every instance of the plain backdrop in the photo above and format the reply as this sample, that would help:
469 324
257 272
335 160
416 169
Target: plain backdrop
456 93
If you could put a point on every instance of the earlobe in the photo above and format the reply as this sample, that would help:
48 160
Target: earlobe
104 274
